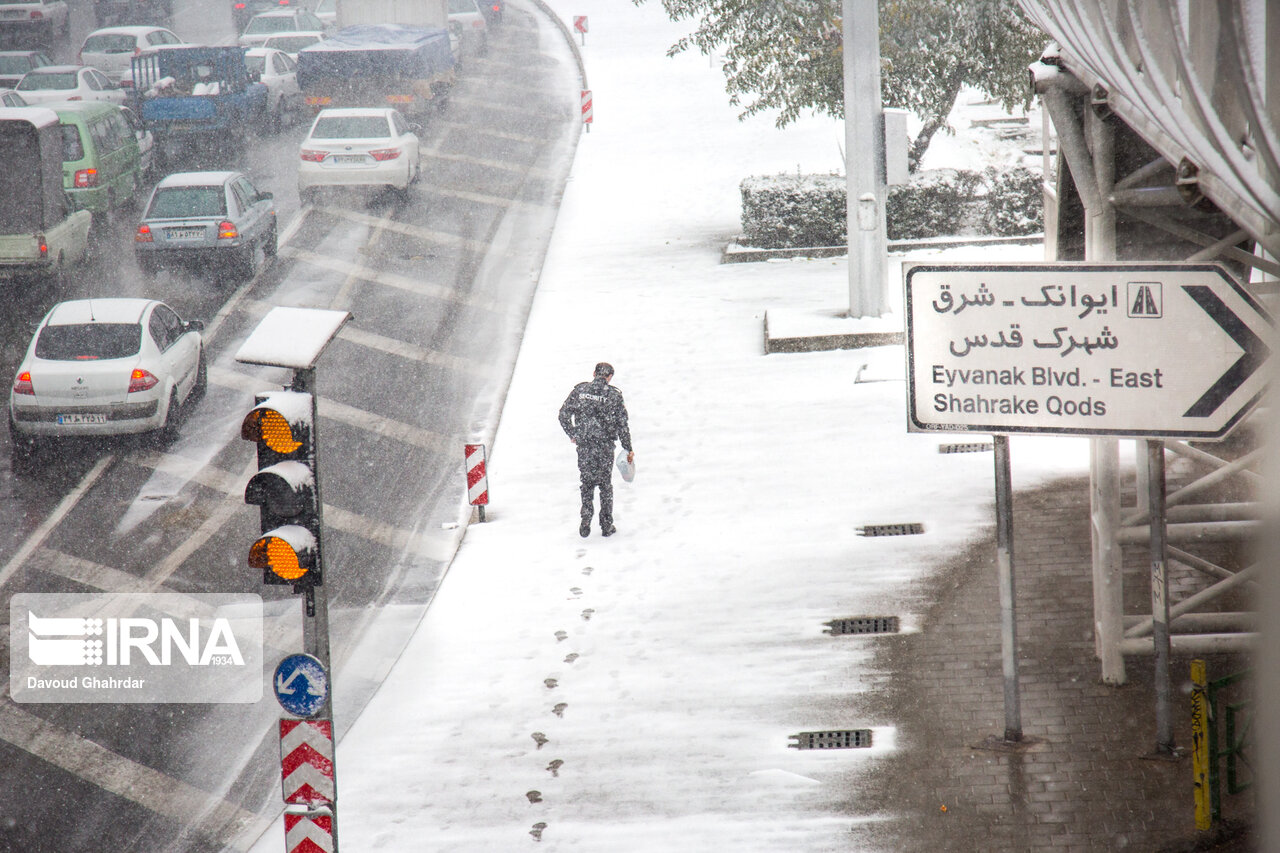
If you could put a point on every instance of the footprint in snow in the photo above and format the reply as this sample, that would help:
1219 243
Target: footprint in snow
551 683
536 832
561 635
587 570
555 766
534 796
586 614
571 657
559 708
539 738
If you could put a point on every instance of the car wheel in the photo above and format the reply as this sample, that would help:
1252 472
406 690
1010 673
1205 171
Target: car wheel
172 419
271 246
22 448
249 263
202 379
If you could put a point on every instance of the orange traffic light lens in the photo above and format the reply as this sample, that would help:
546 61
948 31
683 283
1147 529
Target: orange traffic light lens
271 428
272 552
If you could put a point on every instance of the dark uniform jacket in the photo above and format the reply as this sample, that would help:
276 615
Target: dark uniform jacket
594 413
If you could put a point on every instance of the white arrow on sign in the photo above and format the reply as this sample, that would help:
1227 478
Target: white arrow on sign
1142 350
285 685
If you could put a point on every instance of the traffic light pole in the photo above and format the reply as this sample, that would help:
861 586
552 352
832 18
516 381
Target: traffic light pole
315 601
315 614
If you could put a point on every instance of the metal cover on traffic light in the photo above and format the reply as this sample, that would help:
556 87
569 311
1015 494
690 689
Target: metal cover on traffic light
286 555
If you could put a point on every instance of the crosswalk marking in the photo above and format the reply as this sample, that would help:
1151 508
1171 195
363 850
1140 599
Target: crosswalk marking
495 134
411 352
208 815
387 224
501 165
413 285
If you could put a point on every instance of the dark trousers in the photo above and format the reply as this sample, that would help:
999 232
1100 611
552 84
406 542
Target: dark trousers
595 465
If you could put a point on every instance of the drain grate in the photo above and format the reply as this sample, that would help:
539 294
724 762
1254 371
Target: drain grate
912 529
974 447
863 625
842 739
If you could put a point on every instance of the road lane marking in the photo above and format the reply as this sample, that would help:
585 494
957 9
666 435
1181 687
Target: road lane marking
401 282
403 432
490 164
387 224
207 814
497 134
68 503
480 104
221 514
410 352
335 517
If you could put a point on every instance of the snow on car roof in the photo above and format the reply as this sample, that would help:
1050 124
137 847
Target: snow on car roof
116 309
356 111
130 30
56 69
38 116
196 179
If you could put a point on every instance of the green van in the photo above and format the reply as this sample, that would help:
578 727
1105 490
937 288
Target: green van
101 163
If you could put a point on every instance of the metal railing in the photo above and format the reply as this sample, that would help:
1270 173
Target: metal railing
1221 732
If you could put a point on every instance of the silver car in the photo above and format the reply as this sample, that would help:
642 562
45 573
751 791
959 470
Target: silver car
211 220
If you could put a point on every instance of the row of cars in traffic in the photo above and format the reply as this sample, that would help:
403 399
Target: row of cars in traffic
108 366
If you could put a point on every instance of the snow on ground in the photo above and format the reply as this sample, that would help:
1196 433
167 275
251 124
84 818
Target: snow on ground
637 693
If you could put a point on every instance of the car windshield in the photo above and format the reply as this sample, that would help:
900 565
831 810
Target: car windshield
89 341
72 147
456 6
273 24
109 43
15 64
292 44
54 80
351 127
181 202
325 7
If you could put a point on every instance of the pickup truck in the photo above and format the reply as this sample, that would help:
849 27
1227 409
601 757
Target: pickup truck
377 65
195 94
40 235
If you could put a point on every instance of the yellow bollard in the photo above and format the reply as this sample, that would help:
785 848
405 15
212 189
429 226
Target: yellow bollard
1200 742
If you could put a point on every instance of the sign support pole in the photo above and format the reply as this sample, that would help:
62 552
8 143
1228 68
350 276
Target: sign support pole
315 601
1008 605
1160 598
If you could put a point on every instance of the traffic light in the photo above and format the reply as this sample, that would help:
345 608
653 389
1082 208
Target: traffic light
286 489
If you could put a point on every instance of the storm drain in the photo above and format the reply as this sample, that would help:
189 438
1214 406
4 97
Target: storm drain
841 739
911 529
863 625
972 447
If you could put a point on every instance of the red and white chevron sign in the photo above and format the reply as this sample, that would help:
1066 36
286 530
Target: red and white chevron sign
586 107
477 480
308 833
306 762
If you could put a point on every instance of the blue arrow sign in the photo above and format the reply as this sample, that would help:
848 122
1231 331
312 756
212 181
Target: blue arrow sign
301 685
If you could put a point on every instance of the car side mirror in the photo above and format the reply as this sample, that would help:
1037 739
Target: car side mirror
416 127
194 325
265 196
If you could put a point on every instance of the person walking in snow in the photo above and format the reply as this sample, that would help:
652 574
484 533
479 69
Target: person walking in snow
594 416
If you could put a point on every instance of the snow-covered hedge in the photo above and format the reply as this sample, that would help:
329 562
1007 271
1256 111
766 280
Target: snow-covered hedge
789 211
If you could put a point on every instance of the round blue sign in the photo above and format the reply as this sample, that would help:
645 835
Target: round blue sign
301 685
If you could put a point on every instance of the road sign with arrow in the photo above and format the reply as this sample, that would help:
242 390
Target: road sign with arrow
301 685
1141 350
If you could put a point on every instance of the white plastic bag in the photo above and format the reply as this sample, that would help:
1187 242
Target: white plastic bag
625 468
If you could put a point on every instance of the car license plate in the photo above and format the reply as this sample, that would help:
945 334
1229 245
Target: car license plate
13 13
348 158
82 418
185 233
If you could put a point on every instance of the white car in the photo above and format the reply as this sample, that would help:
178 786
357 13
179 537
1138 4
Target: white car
358 147
468 25
106 367
111 50
10 98
146 142
68 83
277 71
327 12
45 18
291 43
281 21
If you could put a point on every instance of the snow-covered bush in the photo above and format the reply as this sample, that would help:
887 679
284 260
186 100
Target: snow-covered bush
936 202
793 211
1014 203
785 211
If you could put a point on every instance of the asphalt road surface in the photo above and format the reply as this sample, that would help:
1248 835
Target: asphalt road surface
438 287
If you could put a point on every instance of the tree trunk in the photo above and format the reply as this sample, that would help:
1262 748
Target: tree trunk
933 124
